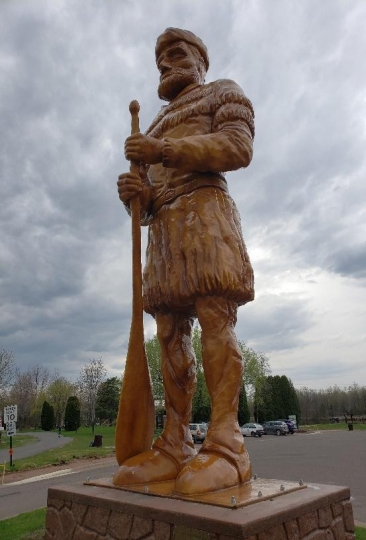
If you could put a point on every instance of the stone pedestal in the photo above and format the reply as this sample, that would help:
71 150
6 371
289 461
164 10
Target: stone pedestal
96 512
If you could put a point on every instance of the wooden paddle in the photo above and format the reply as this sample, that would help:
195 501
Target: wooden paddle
136 413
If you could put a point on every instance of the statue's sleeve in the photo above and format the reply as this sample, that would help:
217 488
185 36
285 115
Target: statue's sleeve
228 147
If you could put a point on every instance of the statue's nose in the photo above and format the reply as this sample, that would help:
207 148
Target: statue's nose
164 66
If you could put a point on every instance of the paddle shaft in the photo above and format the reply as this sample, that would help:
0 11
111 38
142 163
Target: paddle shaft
137 306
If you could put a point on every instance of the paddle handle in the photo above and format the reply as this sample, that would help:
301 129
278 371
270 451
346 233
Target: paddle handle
137 305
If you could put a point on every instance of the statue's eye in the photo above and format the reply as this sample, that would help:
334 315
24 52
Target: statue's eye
176 54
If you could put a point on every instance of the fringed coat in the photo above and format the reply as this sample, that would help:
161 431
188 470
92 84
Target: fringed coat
195 243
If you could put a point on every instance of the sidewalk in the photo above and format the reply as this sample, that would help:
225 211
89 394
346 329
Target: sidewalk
47 440
76 466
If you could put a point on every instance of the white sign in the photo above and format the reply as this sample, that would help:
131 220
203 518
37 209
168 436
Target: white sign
10 414
11 428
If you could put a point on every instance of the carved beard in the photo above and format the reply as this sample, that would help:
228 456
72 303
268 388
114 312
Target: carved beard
177 80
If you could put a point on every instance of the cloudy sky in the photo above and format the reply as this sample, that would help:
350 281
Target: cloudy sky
68 70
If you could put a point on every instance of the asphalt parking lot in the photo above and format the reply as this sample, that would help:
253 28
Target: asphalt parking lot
324 457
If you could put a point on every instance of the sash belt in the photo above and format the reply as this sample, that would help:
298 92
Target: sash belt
171 194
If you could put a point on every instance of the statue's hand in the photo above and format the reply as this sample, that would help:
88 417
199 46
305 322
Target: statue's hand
129 185
141 148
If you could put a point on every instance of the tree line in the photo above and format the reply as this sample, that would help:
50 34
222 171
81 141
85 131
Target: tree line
333 403
43 399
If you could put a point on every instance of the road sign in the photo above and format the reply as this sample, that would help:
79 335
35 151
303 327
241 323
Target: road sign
10 413
11 428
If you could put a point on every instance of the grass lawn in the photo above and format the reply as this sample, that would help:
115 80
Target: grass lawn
342 425
29 526
18 440
77 449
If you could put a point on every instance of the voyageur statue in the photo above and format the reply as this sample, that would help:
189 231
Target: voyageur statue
197 264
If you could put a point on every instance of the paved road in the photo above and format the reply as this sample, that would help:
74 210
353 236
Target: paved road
46 441
325 457
335 457
29 494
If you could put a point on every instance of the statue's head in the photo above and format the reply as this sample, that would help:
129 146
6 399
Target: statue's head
182 60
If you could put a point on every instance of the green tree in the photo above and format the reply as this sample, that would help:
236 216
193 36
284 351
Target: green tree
106 408
263 409
243 409
58 392
291 403
201 403
276 398
72 414
256 365
47 417
153 353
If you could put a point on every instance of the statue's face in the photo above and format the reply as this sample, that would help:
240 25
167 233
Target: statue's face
179 67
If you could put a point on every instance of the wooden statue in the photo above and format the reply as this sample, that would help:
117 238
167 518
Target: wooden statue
197 264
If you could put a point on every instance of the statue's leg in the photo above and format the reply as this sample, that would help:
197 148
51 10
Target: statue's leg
179 377
223 460
174 448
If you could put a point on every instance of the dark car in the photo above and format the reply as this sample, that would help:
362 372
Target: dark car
291 426
275 427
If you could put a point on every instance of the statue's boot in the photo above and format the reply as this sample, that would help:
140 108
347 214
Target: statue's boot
174 448
156 465
223 461
213 469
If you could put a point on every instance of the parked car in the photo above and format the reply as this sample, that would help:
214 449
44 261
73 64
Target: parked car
252 430
275 427
292 427
198 432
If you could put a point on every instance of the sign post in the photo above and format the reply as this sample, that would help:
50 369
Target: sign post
1 426
11 451
10 418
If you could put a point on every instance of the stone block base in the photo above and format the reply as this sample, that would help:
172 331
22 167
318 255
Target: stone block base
85 512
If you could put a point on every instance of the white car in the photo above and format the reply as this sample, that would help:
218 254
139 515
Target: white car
252 430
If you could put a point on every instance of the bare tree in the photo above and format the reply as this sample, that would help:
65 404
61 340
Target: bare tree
28 392
22 394
7 369
90 378
40 377
332 403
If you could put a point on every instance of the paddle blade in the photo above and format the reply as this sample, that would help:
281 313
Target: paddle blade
136 413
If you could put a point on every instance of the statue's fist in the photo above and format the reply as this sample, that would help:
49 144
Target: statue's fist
143 149
129 185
